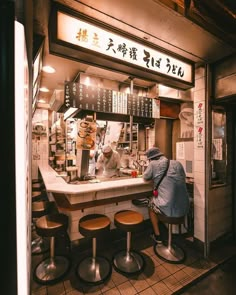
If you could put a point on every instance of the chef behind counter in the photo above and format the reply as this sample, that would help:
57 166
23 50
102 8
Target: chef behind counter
108 162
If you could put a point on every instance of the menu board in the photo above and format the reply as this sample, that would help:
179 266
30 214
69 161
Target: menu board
119 102
109 101
88 97
140 106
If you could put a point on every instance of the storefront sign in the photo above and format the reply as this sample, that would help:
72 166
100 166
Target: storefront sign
80 37
89 36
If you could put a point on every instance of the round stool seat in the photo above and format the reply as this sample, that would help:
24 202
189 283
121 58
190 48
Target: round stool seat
40 208
171 220
128 220
169 251
53 268
52 225
93 225
36 196
37 185
128 261
94 269
36 180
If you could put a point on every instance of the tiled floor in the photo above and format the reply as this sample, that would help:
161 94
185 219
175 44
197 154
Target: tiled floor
158 277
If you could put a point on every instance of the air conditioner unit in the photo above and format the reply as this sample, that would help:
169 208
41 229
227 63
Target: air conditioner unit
57 100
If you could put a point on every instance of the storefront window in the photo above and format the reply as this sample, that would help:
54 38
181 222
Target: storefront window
219 147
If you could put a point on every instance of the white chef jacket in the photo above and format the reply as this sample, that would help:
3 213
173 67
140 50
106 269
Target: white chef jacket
110 165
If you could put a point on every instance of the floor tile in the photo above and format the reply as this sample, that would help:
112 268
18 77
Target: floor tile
126 289
172 283
157 278
113 291
161 289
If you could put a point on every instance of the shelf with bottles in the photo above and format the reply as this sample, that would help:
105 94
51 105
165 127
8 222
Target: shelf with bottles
57 143
124 139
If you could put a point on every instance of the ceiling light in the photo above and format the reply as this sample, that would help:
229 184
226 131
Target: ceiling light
44 89
41 100
48 69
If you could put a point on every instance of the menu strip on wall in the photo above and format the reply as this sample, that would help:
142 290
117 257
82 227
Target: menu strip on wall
109 101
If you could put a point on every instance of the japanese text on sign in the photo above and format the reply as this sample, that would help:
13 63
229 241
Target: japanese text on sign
94 38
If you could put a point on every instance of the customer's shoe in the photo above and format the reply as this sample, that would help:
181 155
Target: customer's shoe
156 238
141 202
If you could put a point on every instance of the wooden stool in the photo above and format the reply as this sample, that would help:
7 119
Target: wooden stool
40 245
53 268
94 269
37 186
37 180
128 261
170 252
39 195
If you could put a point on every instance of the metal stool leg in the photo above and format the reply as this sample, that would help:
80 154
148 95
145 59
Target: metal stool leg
94 269
38 244
170 252
128 261
52 268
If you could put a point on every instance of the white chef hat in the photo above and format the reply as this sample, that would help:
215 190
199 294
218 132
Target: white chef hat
106 148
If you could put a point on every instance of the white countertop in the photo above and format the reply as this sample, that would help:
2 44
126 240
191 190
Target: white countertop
57 184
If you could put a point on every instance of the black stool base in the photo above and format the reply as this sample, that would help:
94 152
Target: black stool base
50 270
173 254
128 263
94 271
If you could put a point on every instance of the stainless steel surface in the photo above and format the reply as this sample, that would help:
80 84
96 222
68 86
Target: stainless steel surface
173 254
51 269
94 270
39 245
129 262
94 247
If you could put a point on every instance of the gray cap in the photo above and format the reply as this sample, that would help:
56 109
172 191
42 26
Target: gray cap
153 153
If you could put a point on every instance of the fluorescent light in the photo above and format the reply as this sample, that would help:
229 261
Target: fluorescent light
44 89
48 69
70 112
41 100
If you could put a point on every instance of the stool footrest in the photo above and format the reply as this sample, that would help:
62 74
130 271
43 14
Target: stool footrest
51 270
94 270
172 254
128 262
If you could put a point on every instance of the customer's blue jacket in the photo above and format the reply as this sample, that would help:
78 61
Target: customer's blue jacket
173 199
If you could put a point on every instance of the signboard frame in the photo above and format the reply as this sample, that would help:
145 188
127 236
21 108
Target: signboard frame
67 49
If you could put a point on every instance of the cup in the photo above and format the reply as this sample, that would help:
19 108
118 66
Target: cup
134 173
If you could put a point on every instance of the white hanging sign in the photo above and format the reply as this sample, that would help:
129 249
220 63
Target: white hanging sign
78 32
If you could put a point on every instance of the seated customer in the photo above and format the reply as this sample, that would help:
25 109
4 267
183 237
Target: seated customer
109 161
172 199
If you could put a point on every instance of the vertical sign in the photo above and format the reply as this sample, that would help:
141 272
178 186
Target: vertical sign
199 124
23 201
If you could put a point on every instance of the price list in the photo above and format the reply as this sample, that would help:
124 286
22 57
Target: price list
119 102
110 101
71 93
140 106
